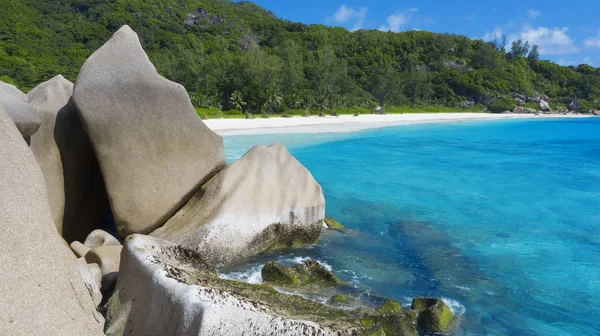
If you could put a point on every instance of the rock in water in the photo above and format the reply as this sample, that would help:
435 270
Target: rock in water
309 273
75 188
41 292
264 200
432 314
164 289
153 149
14 102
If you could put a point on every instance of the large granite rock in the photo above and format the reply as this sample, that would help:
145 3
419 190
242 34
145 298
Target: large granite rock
14 102
75 187
41 292
264 200
164 289
153 149
544 106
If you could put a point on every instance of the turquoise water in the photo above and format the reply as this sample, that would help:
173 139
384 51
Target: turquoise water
500 218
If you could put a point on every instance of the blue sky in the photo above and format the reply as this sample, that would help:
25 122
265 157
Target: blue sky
567 31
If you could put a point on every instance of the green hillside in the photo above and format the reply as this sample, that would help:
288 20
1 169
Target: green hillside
237 55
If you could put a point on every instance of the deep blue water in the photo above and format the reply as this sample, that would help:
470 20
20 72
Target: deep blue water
501 218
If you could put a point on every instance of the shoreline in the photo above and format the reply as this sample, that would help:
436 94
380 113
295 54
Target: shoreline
349 123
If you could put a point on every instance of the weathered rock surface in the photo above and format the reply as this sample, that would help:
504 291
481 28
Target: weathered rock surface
432 314
75 187
544 106
309 273
88 276
164 289
14 103
79 249
108 259
153 149
41 292
264 200
100 238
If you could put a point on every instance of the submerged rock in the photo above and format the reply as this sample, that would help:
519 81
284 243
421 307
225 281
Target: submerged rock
75 188
265 200
338 299
432 314
41 290
309 273
23 115
152 148
164 289
333 224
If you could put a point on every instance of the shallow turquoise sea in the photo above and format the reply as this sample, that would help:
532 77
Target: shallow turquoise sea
501 218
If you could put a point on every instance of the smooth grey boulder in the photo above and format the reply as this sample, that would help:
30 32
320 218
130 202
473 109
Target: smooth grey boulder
100 238
14 102
153 149
108 259
164 289
75 188
544 106
41 292
88 274
264 200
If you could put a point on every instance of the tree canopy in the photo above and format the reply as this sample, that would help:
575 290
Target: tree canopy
237 55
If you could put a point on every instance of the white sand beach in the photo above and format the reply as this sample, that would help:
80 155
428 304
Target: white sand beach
348 123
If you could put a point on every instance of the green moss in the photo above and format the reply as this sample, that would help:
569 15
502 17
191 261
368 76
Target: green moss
333 224
396 323
390 306
338 298
310 273
278 236
367 321
433 314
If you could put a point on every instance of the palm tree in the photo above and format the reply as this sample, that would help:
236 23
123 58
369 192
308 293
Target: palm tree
274 101
237 101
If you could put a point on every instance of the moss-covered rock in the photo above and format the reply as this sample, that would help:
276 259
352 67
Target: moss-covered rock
400 323
432 314
310 273
390 306
333 224
338 299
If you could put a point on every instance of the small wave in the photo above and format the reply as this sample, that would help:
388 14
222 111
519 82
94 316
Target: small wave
462 287
252 275
456 307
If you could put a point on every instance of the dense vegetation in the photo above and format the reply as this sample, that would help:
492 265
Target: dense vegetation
238 56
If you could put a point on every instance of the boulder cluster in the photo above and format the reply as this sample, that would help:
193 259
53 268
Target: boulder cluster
123 151
543 107
117 205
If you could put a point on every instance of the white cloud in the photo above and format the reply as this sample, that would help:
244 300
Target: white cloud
588 61
592 42
534 13
564 62
347 14
394 22
413 9
495 34
551 41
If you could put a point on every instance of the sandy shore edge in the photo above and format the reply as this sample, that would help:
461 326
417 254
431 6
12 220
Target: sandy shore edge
348 123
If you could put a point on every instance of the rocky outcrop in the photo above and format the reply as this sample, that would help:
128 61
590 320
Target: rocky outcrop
40 289
432 314
544 106
309 273
75 187
573 105
164 289
14 103
152 148
264 200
